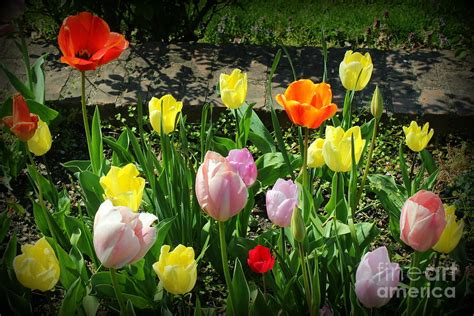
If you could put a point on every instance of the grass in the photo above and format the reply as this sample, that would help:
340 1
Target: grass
381 24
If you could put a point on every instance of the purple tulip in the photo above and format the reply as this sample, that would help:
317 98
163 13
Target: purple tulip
281 201
376 278
242 161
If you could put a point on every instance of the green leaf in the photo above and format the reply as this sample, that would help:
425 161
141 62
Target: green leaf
97 147
121 155
366 233
39 79
19 305
48 189
73 297
10 252
129 308
271 166
428 161
17 84
5 221
259 306
392 200
69 273
223 145
77 165
92 190
90 304
46 114
241 292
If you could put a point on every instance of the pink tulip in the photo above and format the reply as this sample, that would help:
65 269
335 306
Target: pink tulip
122 236
422 220
220 190
281 201
244 165
376 278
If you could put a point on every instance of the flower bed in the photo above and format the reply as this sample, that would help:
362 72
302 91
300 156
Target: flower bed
151 223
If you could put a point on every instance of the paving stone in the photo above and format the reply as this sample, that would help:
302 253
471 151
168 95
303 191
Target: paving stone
413 82
435 102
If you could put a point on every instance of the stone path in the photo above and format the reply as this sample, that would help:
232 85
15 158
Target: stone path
422 82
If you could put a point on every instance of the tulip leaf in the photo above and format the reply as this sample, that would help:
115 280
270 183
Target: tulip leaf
68 268
90 304
45 113
366 233
10 252
97 147
5 221
129 310
120 154
77 166
428 161
389 195
17 84
223 145
39 78
84 240
19 304
271 166
259 305
241 292
74 294
92 190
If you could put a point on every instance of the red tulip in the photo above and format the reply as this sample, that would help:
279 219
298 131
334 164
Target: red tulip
22 123
86 42
260 259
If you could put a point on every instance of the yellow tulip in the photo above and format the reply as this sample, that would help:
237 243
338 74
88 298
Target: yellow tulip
233 89
337 150
170 108
355 70
123 186
315 154
41 141
417 138
37 267
177 270
452 232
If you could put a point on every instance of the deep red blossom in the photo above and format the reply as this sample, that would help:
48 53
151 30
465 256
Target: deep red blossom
260 259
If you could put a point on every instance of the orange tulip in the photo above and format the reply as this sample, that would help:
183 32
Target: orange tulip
308 104
86 42
22 123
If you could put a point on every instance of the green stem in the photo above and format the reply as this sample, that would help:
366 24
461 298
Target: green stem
40 196
26 58
225 265
264 286
305 277
412 170
282 242
367 164
84 113
414 264
118 294
304 167
237 127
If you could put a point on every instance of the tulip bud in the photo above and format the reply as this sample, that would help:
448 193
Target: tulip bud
22 123
233 89
298 227
164 109
260 259
37 268
376 105
41 141
281 201
177 270
422 220
355 70
243 163
376 278
123 186
220 190
121 236
452 233
315 154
